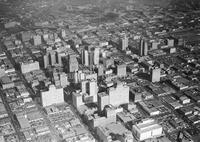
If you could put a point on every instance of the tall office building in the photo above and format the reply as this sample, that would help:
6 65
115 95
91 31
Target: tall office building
124 42
52 96
155 74
115 96
103 100
83 86
37 40
119 94
72 63
96 56
59 59
90 87
143 47
63 33
46 61
90 56
85 58
88 93
121 69
53 57
29 66
63 80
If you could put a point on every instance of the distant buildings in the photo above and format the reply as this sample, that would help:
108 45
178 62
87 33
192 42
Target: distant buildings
11 24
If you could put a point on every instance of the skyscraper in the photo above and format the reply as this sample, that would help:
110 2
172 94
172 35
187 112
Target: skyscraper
52 96
84 57
124 42
72 63
90 56
63 33
53 57
96 56
37 40
143 47
46 61
155 74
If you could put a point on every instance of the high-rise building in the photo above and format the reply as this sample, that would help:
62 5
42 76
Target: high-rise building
121 69
88 93
53 57
63 80
37 40
92 89
119 94
143 47
145 50
52 96
170 42
100 70
124 42
96 56
90 56
114 96
46 61
63 33
29 66
103 100
83 86
155 74
72 63
59 59
85 58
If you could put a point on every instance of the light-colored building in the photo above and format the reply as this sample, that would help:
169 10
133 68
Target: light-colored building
114 131
37 40
155 74
52 96
119 95
29 66
121 70
88 93
147 129
115 96
124 42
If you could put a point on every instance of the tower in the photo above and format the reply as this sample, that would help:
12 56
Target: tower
96 56
124 42
84 57
143 47
155 74
90 56
72 63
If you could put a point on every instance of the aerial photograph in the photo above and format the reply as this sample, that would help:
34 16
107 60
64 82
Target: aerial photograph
99 70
